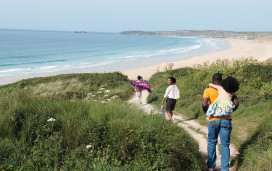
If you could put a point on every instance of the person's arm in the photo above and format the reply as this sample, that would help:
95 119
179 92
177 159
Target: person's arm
236 102
178 93
215 86
166 94
205 101
205 104
163 100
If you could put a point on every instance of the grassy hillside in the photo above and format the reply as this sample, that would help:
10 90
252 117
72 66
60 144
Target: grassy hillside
256 153
82 122
255 97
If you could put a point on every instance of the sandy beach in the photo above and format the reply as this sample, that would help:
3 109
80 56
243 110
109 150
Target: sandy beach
240 49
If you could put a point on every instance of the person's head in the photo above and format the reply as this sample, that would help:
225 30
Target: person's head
230 84
217 78
140 78
171 80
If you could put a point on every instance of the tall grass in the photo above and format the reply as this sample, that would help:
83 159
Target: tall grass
73 85
256 153
43 127
255 94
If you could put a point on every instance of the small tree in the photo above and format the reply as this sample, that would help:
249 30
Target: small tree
168 68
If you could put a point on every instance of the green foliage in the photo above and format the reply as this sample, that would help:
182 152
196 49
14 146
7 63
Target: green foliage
256 153
86 133
255 79
255 94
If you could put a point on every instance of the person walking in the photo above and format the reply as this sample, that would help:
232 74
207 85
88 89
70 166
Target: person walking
172 93
139 89
218 125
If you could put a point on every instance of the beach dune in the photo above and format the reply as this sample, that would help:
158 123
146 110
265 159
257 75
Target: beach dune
239 49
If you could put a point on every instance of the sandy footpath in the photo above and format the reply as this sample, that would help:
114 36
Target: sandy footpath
240 49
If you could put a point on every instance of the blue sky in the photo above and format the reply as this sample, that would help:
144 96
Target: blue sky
119 15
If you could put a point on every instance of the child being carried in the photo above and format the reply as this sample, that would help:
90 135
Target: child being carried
223 105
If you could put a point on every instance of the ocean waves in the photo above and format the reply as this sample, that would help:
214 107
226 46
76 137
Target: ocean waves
164 52
32 62
58 51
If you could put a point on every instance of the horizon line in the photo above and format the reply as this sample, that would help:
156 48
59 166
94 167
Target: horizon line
41 30
15 29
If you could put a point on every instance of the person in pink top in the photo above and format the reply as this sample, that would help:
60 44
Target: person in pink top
139 90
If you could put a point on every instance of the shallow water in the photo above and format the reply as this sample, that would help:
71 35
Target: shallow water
32 52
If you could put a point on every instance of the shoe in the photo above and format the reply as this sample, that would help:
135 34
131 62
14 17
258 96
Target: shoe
210 169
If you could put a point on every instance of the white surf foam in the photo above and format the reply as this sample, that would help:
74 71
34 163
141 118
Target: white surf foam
15 70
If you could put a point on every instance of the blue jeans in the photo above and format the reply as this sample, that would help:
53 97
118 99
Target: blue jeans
223 128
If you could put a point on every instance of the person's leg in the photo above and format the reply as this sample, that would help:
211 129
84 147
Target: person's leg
170 115
225 131
212 141
140 98
173 105
138 95
169 110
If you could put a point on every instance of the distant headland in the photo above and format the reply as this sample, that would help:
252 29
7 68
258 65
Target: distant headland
263 36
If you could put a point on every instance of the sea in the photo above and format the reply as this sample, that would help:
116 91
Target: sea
26 52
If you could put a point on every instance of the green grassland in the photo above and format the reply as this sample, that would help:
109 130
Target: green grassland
82 122
255 95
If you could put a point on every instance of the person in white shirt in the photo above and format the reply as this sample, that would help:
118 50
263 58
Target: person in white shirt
171 94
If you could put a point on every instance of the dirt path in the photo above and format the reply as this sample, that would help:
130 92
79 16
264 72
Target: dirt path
197 131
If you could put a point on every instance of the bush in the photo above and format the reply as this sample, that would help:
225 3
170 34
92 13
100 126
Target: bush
255 78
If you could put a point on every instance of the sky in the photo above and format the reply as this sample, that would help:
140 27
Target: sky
146 15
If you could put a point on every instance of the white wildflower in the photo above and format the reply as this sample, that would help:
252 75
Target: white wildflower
99 92
89 94
93 95
103 102
107 91
95 100
51 120
102 88
106 95
109 99
113 97
89 146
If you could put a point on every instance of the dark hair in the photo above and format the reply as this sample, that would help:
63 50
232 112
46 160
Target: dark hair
172 79
139 77
217 77
230 84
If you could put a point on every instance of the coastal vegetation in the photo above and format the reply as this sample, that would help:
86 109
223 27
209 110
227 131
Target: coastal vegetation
252 128
83 122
